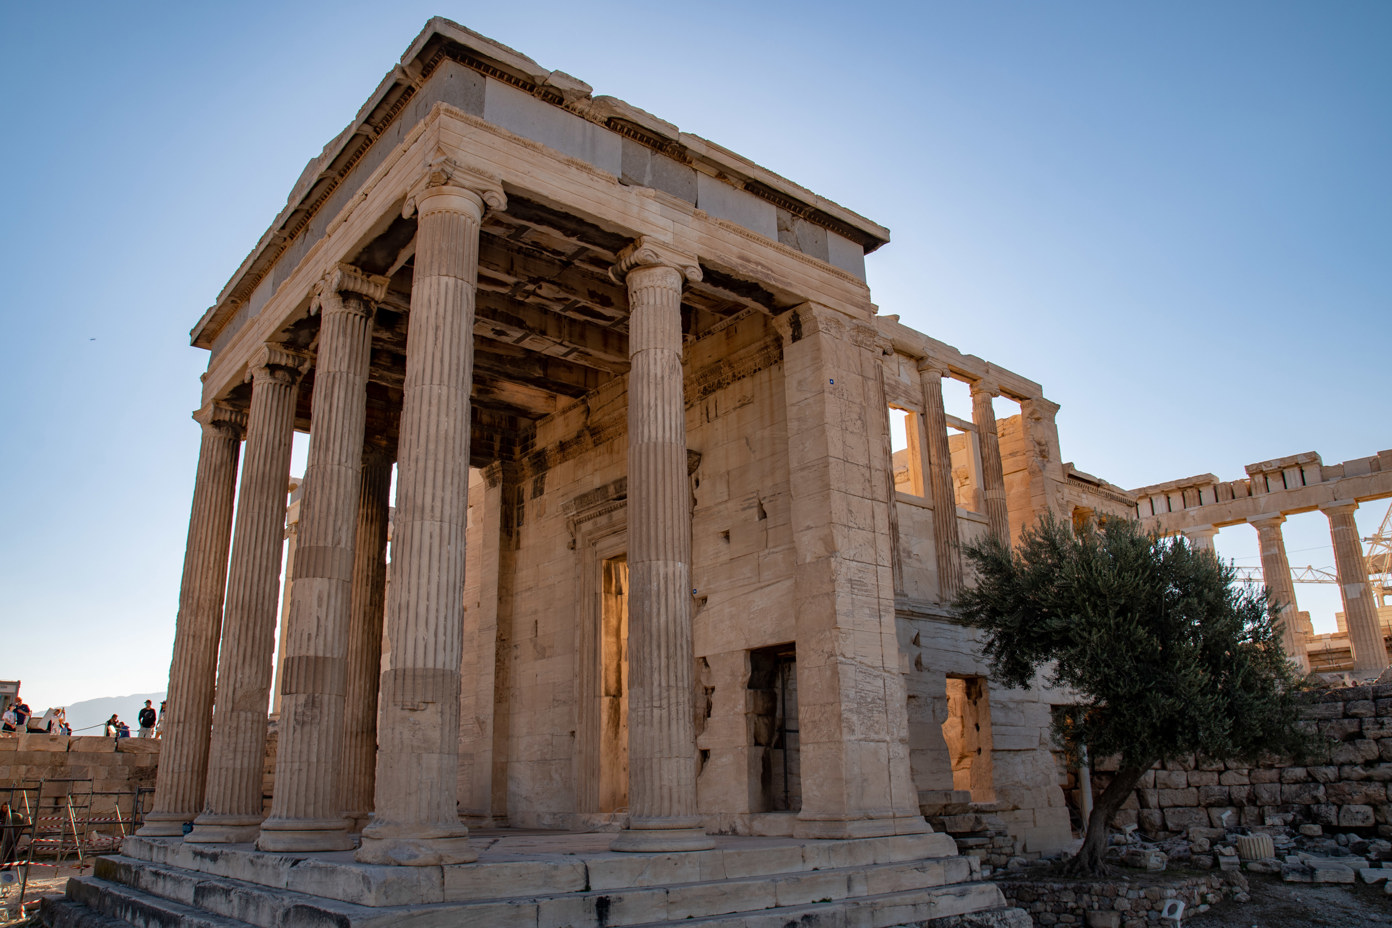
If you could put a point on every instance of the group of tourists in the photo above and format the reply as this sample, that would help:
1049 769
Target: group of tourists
147 718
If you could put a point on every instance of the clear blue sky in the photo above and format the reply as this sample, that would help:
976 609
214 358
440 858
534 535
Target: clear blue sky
1173 216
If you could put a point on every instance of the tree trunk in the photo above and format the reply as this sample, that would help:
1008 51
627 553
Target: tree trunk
1089 859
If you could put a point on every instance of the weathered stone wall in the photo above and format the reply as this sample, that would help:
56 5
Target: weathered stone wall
1347 785
1131 903
572 517
112 765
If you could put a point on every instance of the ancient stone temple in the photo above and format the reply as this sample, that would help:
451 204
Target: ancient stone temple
665 584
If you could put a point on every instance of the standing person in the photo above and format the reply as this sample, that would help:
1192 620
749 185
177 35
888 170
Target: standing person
9 721
146 718
22 713
159 723
112 725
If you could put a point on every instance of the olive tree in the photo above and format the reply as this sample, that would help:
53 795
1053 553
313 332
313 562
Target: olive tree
1164 653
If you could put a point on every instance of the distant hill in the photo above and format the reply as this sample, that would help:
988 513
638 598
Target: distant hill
88 716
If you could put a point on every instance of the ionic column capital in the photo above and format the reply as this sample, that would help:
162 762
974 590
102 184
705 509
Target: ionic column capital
276 364
650 253
1339 507
349 289
216 417
447 184
929 366
985 387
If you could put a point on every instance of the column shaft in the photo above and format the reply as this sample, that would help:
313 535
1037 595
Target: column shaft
992 472
1276 574
661 729
365 639
1360 610
1201 537
232 810
306 811
946 543
415 819
183 767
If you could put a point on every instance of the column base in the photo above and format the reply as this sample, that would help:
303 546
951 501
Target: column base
425 846
224 829
664 834
861 827
293 834
165 824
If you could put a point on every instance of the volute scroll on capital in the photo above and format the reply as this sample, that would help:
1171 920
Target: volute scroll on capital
444 173
363 290
927 367
647 252
988 387
221 418
276 363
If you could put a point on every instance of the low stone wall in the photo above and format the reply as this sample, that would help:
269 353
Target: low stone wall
1346 786
1122 903
112 765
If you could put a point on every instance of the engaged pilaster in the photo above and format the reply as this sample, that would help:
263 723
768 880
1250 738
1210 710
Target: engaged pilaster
415 819
1360 611
992 471
183 767
1276 574
365 638
232 810
306 811
852 702
946 543
661 731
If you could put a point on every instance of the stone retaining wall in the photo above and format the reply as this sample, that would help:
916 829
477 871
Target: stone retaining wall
1130 903
112 765
1346 786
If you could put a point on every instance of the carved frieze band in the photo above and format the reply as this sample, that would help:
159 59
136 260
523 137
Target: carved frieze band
649 252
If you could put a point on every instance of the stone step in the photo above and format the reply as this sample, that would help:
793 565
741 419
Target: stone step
131 906
153 896
337 876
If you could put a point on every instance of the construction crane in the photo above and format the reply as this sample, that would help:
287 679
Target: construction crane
1377 554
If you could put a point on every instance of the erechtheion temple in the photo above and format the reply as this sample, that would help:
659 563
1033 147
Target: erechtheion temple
662 583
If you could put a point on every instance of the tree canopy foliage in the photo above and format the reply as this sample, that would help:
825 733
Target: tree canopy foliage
1164 653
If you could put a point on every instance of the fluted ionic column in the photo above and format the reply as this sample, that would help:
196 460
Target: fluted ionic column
1360 610
415 818
1201 537
232 802
992 472
365 639
1276 574
188 714
945 539
661 730
306 810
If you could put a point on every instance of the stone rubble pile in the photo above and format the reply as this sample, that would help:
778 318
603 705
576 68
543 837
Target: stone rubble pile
1306 855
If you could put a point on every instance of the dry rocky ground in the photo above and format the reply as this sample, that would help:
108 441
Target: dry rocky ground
1277 904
